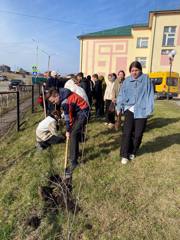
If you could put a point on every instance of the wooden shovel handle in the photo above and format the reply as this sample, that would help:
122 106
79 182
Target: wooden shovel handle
66 154
44 104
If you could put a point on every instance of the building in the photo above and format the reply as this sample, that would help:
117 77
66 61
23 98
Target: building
110 50
5 68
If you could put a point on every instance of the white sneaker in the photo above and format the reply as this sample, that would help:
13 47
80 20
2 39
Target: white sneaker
124 160
106 123
132 157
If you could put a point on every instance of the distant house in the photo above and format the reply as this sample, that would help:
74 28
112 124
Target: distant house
113 49
22 71
5 68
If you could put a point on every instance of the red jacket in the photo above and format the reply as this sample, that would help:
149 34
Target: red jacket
40 100
73 106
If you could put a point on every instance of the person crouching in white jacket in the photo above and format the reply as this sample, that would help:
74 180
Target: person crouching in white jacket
46 131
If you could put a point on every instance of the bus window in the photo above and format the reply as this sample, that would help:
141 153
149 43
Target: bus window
172 81
156 81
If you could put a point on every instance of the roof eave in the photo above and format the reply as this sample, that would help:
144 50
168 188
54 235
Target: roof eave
102 36
165 11
153 13
141 27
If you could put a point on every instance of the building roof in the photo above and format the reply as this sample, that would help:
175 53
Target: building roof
125 31
165 11
161 12
118 31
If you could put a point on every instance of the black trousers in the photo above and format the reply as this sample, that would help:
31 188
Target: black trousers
102 107
110 116
133 130
99 107
75 138
52 140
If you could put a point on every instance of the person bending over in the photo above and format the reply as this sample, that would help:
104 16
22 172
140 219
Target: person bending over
76 113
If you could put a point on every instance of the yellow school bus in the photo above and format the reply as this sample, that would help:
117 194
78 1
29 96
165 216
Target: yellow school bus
165 85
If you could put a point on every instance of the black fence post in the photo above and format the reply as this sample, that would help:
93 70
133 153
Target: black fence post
18 109
33 98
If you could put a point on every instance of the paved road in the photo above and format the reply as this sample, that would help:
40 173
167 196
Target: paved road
4 86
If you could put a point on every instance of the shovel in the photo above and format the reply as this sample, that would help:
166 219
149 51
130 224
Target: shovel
66 175
44 103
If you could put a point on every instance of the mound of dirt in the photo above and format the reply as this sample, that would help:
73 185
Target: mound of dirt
33 221
57 195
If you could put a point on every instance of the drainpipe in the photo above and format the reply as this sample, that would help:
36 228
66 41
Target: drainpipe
152 51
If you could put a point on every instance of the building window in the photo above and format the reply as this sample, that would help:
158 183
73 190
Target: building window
169 36
142 43
165 51
156 81
142 60
172 81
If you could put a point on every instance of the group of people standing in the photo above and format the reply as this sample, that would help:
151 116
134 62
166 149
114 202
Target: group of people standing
132 97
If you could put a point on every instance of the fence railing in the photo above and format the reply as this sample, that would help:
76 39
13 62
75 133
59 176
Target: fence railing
14 104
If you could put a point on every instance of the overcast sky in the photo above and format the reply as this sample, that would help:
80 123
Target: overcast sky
55 24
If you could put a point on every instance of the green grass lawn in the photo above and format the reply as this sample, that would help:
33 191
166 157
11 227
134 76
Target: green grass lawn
138 201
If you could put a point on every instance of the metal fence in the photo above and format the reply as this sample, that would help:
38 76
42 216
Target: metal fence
14 104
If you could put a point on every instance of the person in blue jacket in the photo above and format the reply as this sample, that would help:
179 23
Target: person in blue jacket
136 100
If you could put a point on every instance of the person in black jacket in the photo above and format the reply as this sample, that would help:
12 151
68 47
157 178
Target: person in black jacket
97 95
79 77
91 85
52 83
85 84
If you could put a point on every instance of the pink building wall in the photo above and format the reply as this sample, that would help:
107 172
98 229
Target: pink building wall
108 55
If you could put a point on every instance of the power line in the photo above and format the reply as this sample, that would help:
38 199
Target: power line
14 42
45 18
18 52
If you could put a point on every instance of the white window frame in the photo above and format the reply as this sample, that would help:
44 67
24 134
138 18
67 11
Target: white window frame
168 34
142 60
140 41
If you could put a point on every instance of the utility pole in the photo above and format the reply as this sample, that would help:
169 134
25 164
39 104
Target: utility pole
37 56
37 59
49 57
37 53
